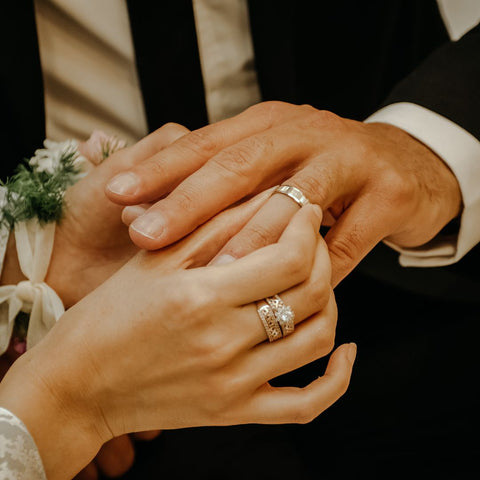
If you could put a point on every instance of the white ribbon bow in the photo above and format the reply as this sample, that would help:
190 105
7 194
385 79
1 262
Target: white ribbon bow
34 296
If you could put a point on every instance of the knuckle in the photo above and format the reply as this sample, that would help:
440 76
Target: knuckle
172 126
189 305
173 130
200 299
223 391
253 237
211 351
242 159
342 386
187 198
271 108
200 142
302 414
295 263
319 293
397 189
345 247
321 342
152 168
323 119
311 184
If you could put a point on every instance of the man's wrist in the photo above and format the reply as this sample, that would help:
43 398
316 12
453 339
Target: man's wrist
437 182
460 151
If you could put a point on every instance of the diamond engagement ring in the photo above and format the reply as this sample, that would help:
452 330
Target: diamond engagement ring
294 193
284 315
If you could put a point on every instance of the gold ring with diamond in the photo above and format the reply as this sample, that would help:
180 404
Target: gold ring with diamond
294 193
284 314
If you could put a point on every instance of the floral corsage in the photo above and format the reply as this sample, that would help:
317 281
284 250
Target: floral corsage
31 204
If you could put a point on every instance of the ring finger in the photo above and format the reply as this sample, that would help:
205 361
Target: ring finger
305 299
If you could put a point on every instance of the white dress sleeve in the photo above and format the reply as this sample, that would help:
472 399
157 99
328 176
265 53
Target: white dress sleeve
461 152
19 457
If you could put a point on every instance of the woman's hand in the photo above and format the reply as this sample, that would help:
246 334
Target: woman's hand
91 242
163 344
373 182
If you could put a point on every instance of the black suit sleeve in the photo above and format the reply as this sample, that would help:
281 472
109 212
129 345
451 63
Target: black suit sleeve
447 82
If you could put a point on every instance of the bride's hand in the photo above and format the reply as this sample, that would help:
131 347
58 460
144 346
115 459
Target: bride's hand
163 347
91 243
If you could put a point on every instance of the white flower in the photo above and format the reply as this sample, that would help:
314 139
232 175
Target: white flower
49 159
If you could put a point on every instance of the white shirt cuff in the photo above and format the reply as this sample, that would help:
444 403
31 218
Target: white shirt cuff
461 152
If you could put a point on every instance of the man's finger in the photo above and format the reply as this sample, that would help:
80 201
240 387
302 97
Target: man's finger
161 173
254 163
353 235
201 246
132 212
156 141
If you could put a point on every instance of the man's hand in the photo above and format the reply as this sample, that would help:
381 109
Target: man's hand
373 182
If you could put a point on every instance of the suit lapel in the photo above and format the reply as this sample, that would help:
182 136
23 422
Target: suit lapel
168 62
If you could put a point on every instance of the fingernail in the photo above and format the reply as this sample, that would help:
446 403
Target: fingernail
131 213
124 184
222 260
150 225
134 211
351 352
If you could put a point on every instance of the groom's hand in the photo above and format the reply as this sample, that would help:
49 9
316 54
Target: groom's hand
373 181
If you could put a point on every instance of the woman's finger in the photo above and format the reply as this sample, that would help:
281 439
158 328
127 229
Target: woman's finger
305 299
312 339
90 472
116 456
264 228
255 162
272 269
275 405
201 246
130 213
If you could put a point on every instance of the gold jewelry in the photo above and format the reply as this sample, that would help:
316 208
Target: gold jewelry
269 322
284 314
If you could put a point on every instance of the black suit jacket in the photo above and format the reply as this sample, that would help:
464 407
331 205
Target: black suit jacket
345 56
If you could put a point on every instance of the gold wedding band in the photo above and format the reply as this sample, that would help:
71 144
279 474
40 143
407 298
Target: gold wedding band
294 193
278 319
284 314
270 324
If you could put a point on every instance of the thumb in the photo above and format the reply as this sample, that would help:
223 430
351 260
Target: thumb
352 237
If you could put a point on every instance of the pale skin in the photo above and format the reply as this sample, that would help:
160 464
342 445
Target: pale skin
91 243
187 348
373 182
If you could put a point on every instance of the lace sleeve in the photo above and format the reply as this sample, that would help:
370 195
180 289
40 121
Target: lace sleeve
4 230
19 457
